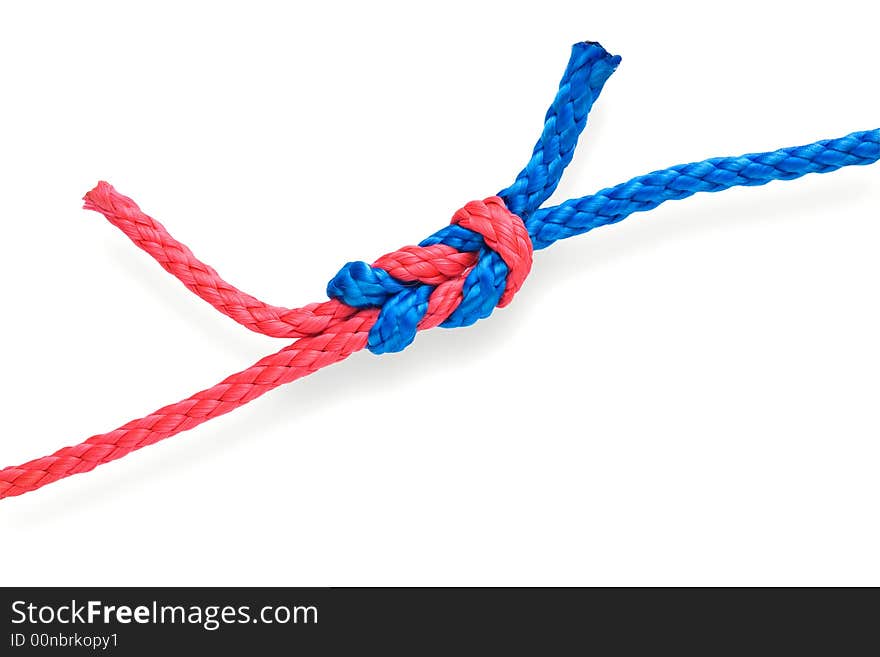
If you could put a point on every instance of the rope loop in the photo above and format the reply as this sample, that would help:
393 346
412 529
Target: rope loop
419 287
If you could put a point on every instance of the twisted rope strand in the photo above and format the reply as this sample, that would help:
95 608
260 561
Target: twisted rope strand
295 361
643 193
588 69
453 278
201 279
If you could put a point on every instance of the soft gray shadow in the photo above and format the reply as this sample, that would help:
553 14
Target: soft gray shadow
328 391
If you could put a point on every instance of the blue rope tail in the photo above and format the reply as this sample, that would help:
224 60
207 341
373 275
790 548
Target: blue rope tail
589 66
404 305
588 69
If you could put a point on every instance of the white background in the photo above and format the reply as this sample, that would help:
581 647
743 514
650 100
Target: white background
688 397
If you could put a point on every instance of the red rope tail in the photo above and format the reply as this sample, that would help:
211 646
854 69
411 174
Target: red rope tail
201 279
295 361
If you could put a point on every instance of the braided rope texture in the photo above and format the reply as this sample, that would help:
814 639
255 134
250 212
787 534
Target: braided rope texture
453 278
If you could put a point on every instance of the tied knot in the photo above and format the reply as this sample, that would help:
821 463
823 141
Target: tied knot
454 278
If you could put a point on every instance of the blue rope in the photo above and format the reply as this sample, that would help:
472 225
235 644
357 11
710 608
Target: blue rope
403 305
588 69
643 193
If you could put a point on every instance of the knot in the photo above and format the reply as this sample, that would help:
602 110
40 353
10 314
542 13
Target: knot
435 283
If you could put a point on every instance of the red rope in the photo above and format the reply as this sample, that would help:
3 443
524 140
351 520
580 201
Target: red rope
328 332
204 281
